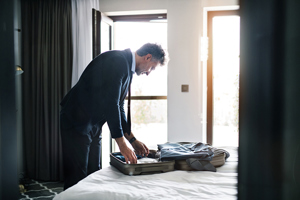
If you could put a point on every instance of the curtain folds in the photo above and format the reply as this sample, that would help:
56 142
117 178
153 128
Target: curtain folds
82 35
47 63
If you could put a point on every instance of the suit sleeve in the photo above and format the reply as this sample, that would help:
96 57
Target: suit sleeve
123 118
114 75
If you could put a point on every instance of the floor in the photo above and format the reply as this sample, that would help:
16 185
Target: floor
41 190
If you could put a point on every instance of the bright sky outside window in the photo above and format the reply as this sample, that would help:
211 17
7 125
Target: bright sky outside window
149 117
226 37
133 35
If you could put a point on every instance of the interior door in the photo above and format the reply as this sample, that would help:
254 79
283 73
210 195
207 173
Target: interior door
223 78
102 41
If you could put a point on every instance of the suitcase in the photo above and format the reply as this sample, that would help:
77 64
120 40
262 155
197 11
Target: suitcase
141 168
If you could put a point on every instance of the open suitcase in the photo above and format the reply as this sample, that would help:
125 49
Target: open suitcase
140 168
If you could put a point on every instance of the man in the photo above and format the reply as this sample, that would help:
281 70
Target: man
98 97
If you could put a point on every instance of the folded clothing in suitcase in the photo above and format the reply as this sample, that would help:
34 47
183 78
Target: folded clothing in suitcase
149 165
193 156
217 161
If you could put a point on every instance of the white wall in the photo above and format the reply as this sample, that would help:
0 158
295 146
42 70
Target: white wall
184 33
185 29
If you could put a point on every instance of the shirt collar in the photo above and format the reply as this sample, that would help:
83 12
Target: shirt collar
133 62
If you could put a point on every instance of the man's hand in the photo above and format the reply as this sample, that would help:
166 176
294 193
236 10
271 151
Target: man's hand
140 148
128 154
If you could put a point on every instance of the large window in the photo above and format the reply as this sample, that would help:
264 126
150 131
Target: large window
148 93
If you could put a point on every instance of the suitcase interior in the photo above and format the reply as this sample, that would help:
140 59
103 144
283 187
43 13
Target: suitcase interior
141 168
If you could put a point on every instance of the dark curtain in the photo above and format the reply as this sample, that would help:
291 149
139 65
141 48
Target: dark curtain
47 64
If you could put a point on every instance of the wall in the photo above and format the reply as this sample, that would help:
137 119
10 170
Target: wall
185 28
18 86
269 150
8 135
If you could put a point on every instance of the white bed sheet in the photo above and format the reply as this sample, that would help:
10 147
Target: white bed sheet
110 184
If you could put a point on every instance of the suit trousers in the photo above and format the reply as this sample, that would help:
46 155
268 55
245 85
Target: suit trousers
81 153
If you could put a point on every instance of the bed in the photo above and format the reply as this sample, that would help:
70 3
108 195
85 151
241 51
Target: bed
111 184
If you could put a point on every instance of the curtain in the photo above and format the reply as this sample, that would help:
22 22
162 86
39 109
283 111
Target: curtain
82 35
47 64
269 139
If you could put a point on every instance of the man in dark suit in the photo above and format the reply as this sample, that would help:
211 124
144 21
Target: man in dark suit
98 97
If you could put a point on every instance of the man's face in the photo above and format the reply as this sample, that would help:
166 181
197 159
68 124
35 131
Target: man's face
146 66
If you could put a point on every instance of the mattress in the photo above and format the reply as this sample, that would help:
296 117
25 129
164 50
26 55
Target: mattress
111 184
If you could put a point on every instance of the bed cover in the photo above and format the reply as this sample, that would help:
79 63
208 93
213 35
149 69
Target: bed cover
111 184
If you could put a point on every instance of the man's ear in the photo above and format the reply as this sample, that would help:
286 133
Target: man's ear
148 57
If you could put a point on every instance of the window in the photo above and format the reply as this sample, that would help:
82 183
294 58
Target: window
149 93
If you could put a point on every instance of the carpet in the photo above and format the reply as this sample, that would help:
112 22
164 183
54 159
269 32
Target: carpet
41 190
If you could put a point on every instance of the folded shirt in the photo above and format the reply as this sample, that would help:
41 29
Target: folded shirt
176 151
147 160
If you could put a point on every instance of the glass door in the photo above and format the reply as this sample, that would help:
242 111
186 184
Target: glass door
223 78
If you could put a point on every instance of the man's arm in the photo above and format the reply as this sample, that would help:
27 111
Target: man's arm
114 72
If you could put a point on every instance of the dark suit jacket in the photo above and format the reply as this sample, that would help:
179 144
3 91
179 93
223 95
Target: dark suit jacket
99 94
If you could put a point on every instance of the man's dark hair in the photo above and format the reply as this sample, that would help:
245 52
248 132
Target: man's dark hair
155 50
